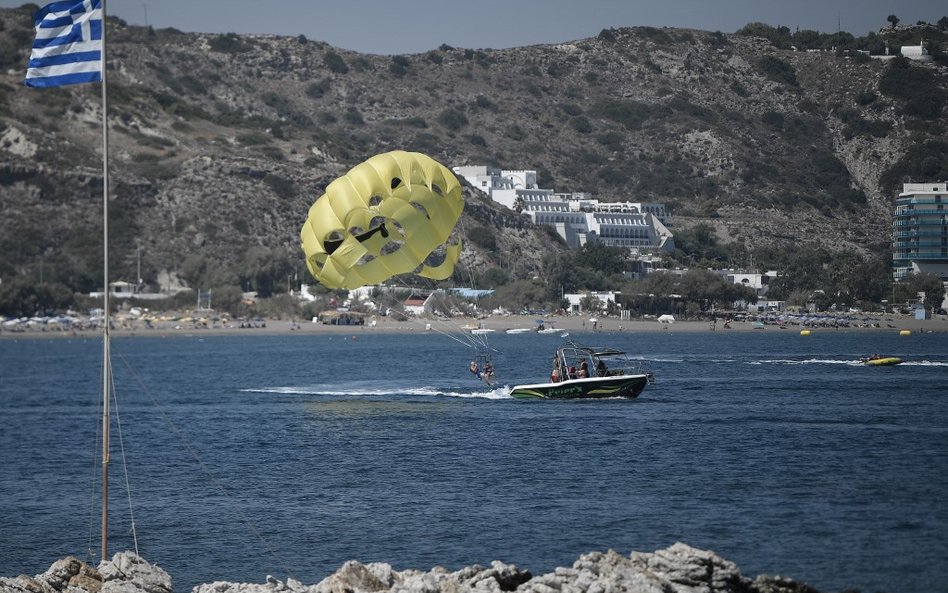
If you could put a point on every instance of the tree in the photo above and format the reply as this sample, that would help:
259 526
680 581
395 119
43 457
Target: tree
493 277
923 282
227 299
201 270
802 269
602 258
522 294
893 20
590 303
266 270
22 297
700 243
869 281
778 36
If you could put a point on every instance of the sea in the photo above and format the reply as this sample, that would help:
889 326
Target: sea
245 455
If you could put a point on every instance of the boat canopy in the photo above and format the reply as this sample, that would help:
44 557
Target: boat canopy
605 352
596 351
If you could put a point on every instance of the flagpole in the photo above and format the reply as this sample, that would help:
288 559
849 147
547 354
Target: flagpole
106 338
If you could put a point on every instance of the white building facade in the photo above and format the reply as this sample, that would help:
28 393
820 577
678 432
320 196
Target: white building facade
600 300
759 282
577 217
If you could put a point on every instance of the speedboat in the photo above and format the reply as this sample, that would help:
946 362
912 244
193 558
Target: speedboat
584 372
879 360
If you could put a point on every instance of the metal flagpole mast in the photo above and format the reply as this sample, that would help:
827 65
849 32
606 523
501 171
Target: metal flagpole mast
106 337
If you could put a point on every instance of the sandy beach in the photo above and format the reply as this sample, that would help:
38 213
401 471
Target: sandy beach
499 324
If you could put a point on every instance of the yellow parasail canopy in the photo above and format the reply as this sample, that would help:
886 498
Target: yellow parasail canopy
392 214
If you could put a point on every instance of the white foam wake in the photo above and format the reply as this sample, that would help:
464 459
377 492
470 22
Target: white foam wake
341 391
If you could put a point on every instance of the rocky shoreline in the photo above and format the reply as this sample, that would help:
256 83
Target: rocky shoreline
679 568
497 324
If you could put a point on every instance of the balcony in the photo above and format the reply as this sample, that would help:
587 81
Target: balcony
925 222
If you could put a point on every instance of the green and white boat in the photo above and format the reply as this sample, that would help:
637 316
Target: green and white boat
584 372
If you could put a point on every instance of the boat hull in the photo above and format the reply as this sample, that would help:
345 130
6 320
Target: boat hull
622 386
887 361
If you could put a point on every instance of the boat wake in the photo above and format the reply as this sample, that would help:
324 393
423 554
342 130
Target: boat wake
845 362
657 359
924 363
342 391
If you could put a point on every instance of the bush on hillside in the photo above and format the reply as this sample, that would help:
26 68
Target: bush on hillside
926 161
452 119
482 237
230 43
631 114
778 70
317 89
335 63
281 186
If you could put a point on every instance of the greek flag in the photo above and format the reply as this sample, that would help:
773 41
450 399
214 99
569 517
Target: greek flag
68 44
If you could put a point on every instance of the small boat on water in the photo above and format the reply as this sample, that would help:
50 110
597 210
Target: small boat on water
544 328
584 372
879 360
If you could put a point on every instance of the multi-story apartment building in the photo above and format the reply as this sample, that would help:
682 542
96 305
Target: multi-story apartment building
921 230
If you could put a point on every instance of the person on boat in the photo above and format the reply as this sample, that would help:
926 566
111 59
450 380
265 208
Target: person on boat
601 369
583 370
560 366
555 376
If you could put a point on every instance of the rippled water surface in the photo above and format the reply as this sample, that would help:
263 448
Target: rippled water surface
288 455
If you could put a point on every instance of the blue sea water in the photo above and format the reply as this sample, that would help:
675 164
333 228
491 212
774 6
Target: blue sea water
290 454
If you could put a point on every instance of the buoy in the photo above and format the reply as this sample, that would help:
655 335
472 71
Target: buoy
905 332
804 332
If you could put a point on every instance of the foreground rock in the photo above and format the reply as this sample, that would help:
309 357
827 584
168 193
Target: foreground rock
676 569
125 573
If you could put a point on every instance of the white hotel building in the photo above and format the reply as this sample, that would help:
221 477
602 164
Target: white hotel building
577 217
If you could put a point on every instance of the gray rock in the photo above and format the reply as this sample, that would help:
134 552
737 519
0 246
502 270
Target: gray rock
128 572
676 569
690 570
68 575
355 577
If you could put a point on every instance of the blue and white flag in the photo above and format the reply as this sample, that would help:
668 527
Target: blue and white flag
68 44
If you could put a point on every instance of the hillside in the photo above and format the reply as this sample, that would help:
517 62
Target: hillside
220 143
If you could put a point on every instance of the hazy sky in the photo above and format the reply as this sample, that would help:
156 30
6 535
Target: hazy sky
413 26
